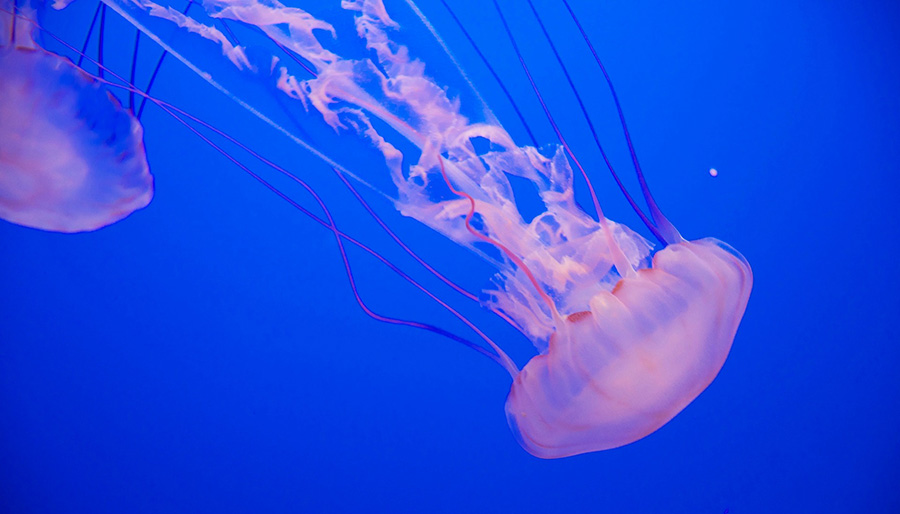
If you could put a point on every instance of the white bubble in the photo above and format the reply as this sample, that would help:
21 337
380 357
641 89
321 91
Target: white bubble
713 172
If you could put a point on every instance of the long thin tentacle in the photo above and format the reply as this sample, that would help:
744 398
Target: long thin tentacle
650 226
490 68
666 229
618 257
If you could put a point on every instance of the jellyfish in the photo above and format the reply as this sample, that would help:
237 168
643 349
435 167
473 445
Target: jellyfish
72 158
625 336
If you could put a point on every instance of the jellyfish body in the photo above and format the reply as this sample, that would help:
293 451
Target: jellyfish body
644 350
625 342
72 158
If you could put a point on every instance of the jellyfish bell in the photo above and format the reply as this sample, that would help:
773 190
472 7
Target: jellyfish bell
621 370
72 158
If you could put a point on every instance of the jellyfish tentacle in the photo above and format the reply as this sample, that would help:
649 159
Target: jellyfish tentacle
132 75
624 267
666 229
453 285
228 31
506 251
500 358
12 29
100 38
87 37
20 35
456 287
128 12
338 235
158 61
418 139
488 113
493 73
650 226
287 51
293 57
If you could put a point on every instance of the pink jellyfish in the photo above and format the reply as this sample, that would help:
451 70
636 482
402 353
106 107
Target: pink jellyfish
71 157
626 338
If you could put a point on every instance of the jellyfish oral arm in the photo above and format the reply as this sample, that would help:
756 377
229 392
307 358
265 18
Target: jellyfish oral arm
642 353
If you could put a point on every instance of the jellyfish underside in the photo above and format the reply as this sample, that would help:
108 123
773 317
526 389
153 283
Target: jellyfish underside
625 342
71 157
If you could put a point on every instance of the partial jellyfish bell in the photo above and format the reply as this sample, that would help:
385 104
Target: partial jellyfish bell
71 157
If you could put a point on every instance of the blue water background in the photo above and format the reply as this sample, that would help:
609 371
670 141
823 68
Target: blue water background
206 354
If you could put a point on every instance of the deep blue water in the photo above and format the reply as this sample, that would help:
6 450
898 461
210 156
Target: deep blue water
206 354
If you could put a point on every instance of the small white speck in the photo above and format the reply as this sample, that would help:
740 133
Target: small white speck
713 172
